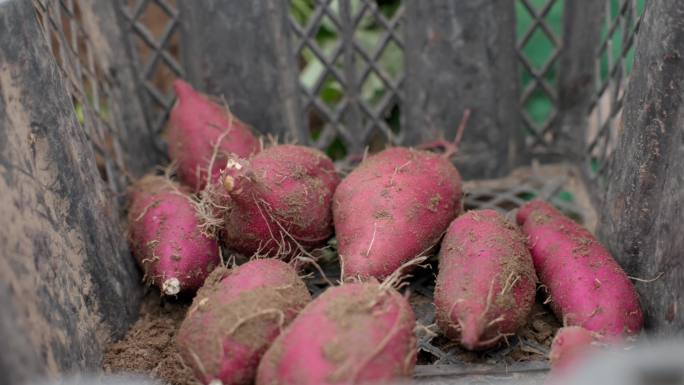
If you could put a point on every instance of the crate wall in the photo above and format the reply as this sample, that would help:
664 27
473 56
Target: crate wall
103 71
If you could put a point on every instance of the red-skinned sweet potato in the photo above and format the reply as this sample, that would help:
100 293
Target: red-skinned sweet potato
486 283
198 126
235 317
393 207
165 237
569 345
352 334
586 285
279 200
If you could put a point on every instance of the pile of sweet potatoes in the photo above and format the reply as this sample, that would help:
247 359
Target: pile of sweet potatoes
278 205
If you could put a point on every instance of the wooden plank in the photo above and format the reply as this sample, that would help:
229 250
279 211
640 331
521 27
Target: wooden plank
461 54
643 204
240 49
582 20
68 280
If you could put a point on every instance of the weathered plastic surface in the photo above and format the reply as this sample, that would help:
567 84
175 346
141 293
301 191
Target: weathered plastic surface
67 280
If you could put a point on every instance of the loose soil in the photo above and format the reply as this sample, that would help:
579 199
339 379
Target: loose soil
149 347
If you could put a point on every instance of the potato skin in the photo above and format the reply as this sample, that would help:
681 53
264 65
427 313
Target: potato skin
568 346
165 238
393 207
236 316
486 284
587 286
280 199
351 334
196 125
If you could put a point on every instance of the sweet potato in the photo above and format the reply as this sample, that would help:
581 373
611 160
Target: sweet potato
352 334
569 345
165 237
197 126
486 284
236 316
393 207
586 285
280 200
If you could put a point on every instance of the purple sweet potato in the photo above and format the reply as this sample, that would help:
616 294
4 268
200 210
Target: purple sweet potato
486 283
393 207
352 334
236 316
586 285
165 237
280 200
197 126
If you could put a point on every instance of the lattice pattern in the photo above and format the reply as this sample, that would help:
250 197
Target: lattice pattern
89 85
153 30
613 65
350 75
538 47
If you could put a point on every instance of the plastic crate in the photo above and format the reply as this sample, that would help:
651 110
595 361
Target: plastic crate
572 101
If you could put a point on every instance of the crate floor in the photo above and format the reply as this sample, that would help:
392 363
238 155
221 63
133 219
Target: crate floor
149 346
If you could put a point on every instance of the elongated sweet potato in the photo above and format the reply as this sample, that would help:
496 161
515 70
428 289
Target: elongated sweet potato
235 317
394 206
280 200
586 285
486 283
569 345
165 237
352 334
197 125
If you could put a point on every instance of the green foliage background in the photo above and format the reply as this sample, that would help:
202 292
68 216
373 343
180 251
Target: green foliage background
538 50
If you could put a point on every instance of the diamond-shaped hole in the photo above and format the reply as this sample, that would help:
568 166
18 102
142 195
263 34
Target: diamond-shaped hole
66 25
526 195
523 19
616 46
142 49
337 149
101 166
103 91
554 19
316 123
373 89
393 118
483 198
368 35
83 48
388 8
88 91
155 19
391 60
327 33
162 77
507 205
301 11
377 141
56 45
311 71
539 106
538 49
173 45
331 92
78 15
